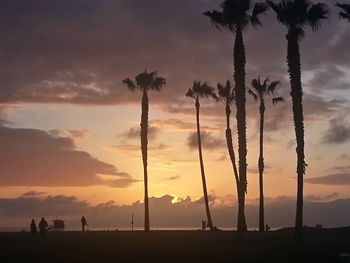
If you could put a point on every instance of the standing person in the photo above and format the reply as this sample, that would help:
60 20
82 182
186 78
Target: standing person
43 226
83 223
33 229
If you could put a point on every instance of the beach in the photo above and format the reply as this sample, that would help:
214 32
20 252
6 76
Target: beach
321 245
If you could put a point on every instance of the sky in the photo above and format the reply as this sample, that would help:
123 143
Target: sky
69 128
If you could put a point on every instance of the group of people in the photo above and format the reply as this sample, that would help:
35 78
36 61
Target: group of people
43 226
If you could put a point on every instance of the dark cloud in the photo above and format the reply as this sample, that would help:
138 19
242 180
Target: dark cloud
172 178
207 139
331 179
328 197
338 131
31 157
83 50
134 133
328 78
168 211
33 194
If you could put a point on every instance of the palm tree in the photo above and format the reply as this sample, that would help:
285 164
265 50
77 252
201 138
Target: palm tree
196 92
345 11
295 15
261 92
226 95
235 17
145 82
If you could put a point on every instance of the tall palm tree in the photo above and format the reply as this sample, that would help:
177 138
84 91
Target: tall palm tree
226 95
262 91
145 82
296 15
345 11
235 16
196 92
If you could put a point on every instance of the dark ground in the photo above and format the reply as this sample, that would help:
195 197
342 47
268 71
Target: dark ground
322 245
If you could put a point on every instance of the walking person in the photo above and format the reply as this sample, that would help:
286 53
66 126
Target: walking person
83 223
33 229
43 226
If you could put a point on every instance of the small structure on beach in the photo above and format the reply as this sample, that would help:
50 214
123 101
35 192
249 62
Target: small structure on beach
58 225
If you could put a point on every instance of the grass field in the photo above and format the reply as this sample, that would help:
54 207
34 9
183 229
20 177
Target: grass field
321 245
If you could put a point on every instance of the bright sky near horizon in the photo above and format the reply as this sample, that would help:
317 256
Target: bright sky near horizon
69 127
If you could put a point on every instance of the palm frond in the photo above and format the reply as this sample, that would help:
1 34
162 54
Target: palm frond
345 7
225 93
277 100
316 14
158 83
259 8
130 84
345 13
272 86
217 19
190 94
252 93
256 84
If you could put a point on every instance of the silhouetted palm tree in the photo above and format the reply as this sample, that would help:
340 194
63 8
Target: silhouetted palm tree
295 15
145 82
196 92
235 17
345 11
226 95
261 92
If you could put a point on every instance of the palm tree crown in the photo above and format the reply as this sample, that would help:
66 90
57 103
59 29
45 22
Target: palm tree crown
200 90
234 15
263 90
226 93
345 13
145 82
296 14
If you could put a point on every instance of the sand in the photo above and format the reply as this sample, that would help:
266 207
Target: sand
322 245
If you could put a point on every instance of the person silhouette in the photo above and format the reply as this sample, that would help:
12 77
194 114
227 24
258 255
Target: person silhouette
43 226
33 229
83 223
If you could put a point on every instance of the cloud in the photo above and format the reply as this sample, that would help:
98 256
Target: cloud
338 132
179 125
331 179
344 156
134 133
331 76
33 194
168 211
75 134
31 157
83 61
207 139
133 150
328 197
172 178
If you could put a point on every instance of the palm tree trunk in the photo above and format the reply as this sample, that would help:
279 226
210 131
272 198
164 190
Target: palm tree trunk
293 59
205 192
230 146
239 77
144 143
261 169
